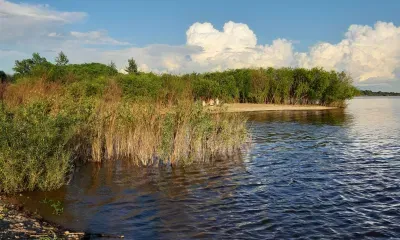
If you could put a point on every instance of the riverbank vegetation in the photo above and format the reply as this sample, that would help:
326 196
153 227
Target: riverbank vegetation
379 93
53 115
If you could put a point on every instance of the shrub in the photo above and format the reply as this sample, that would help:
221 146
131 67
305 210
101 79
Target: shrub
33 152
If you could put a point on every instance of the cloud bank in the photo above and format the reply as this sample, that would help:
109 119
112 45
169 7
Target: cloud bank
236 47
368 53
371 54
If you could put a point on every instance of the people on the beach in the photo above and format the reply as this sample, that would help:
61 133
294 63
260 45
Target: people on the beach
211 102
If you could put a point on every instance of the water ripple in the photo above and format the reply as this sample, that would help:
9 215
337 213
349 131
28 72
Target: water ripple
309 175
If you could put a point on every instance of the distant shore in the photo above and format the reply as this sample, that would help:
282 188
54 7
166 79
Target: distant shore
254 107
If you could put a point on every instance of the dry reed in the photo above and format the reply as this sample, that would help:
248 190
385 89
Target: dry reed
149 133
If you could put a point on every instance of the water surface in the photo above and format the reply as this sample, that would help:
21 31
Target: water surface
309 174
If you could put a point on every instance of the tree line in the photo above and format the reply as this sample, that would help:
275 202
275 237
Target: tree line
378 93
261 85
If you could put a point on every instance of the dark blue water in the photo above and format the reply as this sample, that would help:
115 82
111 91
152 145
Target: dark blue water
309 175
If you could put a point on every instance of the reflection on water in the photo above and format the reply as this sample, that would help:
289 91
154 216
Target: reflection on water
331 117
309 174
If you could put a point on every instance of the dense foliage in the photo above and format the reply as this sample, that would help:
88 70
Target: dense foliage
277 86
5 78
32 148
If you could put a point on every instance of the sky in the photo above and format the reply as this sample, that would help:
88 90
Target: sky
361 38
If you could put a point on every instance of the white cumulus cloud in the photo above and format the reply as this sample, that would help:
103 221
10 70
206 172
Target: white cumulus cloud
237 36
235 47
367 53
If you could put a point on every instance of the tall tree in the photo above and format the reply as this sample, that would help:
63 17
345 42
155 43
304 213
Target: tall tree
112 65
112 68
61 59
132 67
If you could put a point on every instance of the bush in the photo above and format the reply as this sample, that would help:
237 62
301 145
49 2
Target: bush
141 86
33 153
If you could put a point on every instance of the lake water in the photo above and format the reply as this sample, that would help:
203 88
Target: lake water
309 174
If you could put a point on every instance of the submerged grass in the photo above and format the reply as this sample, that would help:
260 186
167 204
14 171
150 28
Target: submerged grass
46 128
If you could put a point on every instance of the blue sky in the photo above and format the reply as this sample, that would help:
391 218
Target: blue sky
258 33
146 22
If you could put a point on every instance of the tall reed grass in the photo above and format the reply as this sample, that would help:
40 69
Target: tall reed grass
46 128
149 134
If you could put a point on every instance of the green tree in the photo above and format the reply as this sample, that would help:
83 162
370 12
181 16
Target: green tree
113 68
112 65
300 85
132 67
229 91
319 83
285 76
23 67
3 77
205 88
259 86
38 60
26 66
61 59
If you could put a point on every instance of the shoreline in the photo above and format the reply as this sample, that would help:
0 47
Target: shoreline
256 107
17 223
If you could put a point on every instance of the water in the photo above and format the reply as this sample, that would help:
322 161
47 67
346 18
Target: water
310 175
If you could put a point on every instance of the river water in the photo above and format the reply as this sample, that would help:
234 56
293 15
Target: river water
308 174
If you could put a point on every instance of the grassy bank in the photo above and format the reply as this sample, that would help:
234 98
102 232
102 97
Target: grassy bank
55 115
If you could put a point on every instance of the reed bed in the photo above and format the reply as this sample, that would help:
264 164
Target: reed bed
43 136
150 134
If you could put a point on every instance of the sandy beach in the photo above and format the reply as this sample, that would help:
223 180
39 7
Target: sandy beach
252 107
